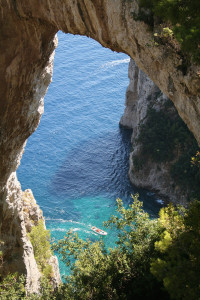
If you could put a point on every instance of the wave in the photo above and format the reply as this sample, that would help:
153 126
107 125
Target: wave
83 230
64 221
59 229
115 63
74 230
160 201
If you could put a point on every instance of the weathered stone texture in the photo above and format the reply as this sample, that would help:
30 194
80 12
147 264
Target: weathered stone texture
27 42
141 95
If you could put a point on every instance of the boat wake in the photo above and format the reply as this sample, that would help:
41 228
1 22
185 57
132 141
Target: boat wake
115 63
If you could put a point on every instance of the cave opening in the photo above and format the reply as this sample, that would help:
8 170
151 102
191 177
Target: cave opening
76 162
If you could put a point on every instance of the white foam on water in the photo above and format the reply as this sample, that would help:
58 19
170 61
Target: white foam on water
76 229
160 201
150 194
64 221
59 229
83 230
52 219
115 63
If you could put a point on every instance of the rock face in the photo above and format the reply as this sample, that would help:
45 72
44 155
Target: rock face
17 249
27 43
142 94
25 73
32 215
21 214
31 210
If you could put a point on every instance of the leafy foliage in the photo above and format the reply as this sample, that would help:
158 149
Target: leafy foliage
185 175
46 291
12 287
40 239
120 273
185 19
149 255
196 160
157 136
178 265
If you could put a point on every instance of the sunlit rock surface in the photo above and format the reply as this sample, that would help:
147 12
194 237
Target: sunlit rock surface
27 43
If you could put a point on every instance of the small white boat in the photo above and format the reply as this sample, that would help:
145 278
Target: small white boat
99 231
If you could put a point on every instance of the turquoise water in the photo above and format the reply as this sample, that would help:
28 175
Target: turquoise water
76 163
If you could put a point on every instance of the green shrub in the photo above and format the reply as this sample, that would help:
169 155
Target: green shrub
122 272
164 137
40 239
160 135
196 160
167 248
186 175
138 162
149 256
178 262
185 19
12 287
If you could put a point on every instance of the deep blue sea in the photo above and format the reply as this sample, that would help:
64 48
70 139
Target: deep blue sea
76 163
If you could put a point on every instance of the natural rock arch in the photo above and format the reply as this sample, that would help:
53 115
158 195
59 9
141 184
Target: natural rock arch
27 34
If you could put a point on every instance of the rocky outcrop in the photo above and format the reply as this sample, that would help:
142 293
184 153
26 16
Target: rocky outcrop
141 95
17 250
20 215
31 210
32 214
27 43
25 73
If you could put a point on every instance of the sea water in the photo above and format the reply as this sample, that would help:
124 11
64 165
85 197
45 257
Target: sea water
76 162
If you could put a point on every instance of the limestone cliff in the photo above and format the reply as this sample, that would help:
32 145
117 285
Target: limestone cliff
15 245
32 214
27 43
19 256
141 95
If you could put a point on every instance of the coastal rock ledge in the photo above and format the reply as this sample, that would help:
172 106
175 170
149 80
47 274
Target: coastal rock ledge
27 43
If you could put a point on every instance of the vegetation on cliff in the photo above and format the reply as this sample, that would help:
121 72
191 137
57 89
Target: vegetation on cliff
183 16
40 240
177 265
152 259
12 287
119 273
164 137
